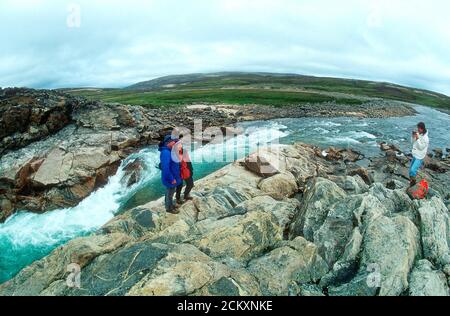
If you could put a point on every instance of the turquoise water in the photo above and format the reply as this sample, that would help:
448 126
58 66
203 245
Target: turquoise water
27 237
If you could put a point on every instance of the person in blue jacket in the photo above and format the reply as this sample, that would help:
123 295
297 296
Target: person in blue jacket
170 171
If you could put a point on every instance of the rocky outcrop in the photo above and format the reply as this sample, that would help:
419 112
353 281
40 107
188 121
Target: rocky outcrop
280 186
435 229
281 271
56 149
426 281
27 116
50 270
390 248
328 234
61 170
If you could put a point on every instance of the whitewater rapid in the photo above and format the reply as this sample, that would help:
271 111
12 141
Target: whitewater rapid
26 236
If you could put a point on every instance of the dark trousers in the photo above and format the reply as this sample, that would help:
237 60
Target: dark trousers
187 191
170 192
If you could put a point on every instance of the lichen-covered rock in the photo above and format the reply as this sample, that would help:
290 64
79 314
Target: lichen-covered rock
390 248
137 222
284 211
338 236
266 163
394 201
37 277
318 202
238 283
347 265
184 271
221 202
332 238
425 281
351 185
240 237
297 262
435 230
310 290
336 230
363 173
117 273
280 186
364 284
302 164
378 258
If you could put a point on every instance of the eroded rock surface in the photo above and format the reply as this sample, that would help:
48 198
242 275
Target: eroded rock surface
323 234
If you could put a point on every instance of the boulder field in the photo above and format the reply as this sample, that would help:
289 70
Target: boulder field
287 220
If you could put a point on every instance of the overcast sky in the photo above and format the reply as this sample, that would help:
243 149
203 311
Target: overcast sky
111 43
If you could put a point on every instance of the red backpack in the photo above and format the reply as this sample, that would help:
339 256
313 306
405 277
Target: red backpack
185 172
419 191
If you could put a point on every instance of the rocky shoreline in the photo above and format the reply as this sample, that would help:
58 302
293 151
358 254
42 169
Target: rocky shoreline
288 220
56 149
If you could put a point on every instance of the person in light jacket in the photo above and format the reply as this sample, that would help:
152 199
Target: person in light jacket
421 143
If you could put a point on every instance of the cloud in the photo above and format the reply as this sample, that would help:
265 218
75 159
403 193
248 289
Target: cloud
119 43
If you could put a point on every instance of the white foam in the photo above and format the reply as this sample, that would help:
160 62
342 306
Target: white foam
343 140
360 135
26 229
235 148
321 130
30 229
329 124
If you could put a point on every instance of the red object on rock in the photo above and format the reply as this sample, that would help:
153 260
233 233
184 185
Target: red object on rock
185 172
419 191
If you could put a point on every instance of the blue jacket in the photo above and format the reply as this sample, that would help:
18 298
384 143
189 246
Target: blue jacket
170 170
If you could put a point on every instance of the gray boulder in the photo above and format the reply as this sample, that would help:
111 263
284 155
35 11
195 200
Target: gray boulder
280 186
242 237
425 281
435 230
39 276
390 248
318 202
298 262
187 271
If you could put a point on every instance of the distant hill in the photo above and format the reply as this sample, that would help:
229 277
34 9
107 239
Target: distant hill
221 77
261 88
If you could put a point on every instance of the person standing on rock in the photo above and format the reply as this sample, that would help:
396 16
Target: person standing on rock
187 174
170 170
421 143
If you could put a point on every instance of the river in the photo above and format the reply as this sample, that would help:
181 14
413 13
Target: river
26 237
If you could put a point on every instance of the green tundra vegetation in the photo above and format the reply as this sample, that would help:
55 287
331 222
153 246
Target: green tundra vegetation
259 88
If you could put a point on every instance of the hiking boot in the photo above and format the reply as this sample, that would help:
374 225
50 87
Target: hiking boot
173 210
188 198
179 203
412 182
